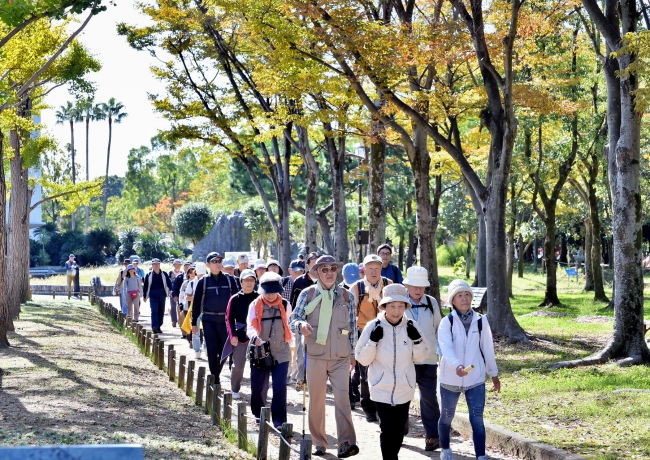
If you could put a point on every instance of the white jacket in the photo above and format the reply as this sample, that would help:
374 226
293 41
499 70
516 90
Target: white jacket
391 372
428 322
464 349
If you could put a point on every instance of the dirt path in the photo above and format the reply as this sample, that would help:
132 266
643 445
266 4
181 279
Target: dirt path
367 433
73 379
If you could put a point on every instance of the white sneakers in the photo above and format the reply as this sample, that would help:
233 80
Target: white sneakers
197 354
235 395
446 454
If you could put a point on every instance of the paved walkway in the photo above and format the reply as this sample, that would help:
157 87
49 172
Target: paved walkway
367 433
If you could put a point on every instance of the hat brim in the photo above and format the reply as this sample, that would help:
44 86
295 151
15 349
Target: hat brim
274 288
414 283
395 298
314 270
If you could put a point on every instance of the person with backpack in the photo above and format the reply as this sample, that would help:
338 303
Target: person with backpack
428 314
296 269
71 269
133 288
236 316
176 272
157 287
389 346
196 341
325 315
390 271
267 321
465 343
368 293
210 301
119 283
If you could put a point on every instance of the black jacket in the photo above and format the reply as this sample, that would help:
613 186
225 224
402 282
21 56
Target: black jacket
299 284
211 297
238 312
176 285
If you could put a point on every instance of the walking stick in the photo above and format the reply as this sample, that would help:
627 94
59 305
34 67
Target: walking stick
304 392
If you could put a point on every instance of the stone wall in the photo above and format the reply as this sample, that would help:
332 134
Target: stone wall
228 234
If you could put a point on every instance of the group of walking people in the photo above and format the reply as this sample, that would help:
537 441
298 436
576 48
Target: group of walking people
374 336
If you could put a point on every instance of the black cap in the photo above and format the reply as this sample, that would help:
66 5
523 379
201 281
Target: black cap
312 255
213 255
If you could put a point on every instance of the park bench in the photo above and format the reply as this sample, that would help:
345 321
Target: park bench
479 299
93 452
571 273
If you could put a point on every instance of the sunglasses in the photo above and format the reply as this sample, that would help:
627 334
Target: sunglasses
216 261
330 269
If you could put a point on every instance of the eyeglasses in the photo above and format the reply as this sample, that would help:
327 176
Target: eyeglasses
326 270
384 253
216 261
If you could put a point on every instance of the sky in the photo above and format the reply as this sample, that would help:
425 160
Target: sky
125 76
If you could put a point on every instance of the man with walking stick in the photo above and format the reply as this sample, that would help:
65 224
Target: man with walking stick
325 315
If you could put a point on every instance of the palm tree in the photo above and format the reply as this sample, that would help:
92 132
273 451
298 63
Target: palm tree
113 111
91 112
70 113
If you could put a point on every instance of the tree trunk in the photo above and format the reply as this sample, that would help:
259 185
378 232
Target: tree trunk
522 252
311 192
596 249
511 238
480 267
326 233
18 229
73 217
6 319
284 234
589 275
410 256
337 171
468 255
108 159
87 226
535 258
400 249
550 293
376 202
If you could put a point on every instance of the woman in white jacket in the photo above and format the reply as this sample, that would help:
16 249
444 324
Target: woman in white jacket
465 343
389 345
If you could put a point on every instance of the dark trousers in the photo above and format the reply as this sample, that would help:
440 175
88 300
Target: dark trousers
427 379
353 392
157 304
260 391
215 336
172 311
361 374
391 422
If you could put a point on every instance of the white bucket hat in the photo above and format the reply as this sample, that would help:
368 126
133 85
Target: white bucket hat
394 293
416 276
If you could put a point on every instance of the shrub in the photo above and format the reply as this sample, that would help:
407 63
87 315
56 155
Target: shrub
150 246
449 255
127 239
193 221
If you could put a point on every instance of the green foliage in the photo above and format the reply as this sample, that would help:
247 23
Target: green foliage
151 245
127 238
450 255
459 266
193 221
15 12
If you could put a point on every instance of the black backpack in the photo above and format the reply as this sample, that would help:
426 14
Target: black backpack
361 287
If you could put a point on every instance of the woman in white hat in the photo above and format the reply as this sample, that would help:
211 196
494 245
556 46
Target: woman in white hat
428 314
465 342
389 346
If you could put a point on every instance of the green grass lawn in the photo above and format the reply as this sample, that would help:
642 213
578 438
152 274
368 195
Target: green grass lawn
588 411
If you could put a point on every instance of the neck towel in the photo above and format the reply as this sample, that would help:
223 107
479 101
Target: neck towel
326 300
374 292
259 310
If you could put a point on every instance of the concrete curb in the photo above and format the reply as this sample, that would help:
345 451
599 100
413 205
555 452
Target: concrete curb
512 443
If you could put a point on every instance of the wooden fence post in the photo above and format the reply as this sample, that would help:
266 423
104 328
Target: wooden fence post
154 350
263 437
287 433
227 409
189 381
209 381
172 365
200 382
147 343
305 449
161 355
216 405
181 371
242 426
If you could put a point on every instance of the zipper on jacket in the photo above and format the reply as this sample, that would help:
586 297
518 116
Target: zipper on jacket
394 365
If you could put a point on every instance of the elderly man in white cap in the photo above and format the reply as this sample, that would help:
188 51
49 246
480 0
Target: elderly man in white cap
325 316
368 292
242 264
428 314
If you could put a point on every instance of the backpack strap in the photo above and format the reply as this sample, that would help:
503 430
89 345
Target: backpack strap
361 288
385 280
311 292
479 324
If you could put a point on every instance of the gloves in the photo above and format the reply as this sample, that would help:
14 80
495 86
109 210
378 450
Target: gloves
377 333
412 331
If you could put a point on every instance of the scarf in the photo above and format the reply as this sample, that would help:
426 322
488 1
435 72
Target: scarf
374 292
259 311
326 300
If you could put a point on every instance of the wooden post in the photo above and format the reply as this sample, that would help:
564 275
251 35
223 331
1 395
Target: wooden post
181 371
227 409
216 405
305 449
154 350
263 437
209 381
172 365
147 343
200 382
53 294
242 426
189 381
161 355
287 433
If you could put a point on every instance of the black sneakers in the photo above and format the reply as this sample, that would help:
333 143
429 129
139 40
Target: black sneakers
431 444
346 450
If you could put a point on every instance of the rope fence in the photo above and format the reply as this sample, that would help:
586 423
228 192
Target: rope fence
216 403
